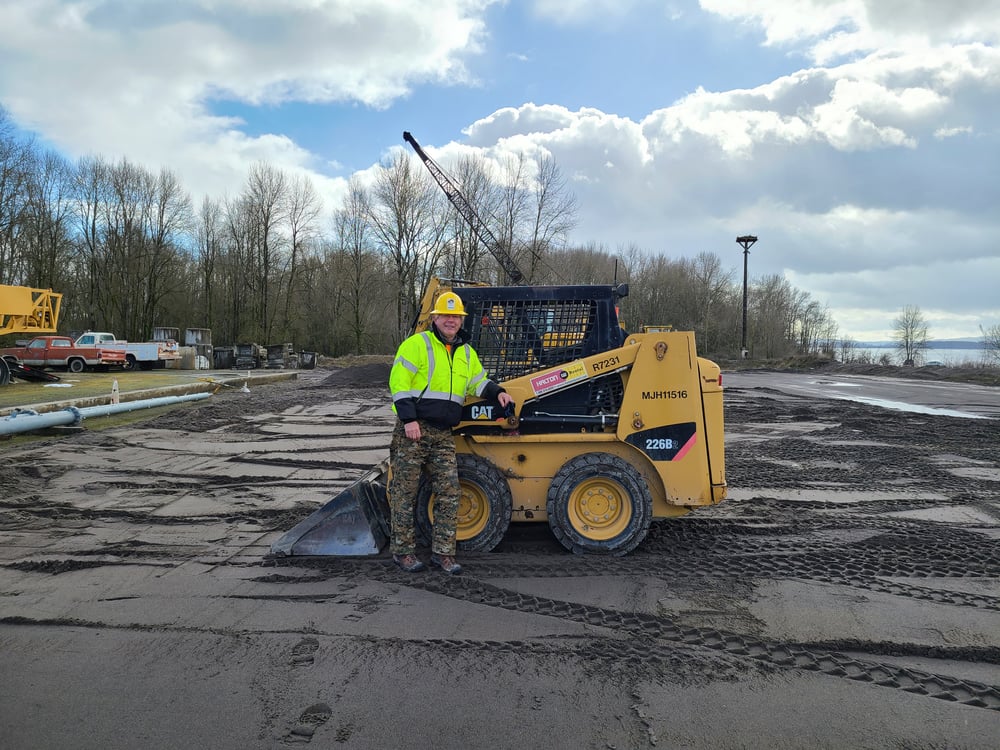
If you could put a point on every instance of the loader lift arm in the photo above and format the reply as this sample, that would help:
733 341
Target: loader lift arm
462 205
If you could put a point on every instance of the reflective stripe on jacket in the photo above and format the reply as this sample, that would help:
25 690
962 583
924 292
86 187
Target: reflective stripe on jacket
428 383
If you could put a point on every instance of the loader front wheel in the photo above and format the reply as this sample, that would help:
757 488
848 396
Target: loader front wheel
598 503
484 506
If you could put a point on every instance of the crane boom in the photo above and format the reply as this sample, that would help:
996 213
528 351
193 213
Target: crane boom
462 205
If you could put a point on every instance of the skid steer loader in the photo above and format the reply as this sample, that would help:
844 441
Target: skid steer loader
610 428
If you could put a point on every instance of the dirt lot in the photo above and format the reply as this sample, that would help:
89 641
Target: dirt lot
846 596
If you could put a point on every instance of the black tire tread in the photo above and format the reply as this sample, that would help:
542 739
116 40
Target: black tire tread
607 465
494 485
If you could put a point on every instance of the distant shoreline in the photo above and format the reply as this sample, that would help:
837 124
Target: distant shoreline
975 345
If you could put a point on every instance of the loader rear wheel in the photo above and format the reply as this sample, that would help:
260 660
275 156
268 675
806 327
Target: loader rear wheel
598 503
484 507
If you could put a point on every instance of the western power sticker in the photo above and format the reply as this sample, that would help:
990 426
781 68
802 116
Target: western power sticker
557 378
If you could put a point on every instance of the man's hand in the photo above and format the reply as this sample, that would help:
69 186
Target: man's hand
506 403
412 430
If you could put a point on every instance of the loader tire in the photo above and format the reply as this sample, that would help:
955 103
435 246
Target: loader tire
599 504
484 508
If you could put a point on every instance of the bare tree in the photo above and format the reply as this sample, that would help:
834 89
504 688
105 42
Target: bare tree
513 209
554 213
356 264
651 299
772 302
167 222
991 343
265 200
909 331
209 238
113 198
15 157
814 328
711 284
238 271
132 229
303 209
91 189
469 256
847 348
408 229
48 221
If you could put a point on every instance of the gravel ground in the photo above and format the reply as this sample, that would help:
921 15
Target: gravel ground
846 595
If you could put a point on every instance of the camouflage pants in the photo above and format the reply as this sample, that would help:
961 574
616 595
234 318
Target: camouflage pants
433 453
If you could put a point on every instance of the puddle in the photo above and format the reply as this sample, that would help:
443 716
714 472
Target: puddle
889 404
916 408
825 495
956 514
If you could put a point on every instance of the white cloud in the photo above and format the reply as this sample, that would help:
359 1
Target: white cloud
841 28
584 11
117 77
866 302
607 13
790 20
946 132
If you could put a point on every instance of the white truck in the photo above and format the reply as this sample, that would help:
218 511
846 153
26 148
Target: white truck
145 355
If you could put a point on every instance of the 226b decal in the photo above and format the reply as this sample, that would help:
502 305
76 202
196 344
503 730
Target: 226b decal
659 444
667 443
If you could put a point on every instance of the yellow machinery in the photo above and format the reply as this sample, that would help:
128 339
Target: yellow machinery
610 429
26 310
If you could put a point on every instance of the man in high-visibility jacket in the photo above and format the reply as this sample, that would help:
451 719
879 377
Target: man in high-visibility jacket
431 376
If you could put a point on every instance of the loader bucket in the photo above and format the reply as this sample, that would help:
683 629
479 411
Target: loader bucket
353 523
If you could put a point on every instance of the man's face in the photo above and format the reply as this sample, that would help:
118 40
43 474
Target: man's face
448 325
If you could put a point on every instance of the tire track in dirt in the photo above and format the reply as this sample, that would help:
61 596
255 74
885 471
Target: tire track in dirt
647 632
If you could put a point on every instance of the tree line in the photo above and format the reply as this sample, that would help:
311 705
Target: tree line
130 252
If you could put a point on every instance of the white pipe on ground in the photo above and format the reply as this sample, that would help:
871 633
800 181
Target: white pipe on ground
28 420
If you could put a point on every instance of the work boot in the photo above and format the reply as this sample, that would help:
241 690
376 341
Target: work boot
409 563
447 564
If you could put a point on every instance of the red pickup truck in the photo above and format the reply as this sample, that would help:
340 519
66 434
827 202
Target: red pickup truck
62 351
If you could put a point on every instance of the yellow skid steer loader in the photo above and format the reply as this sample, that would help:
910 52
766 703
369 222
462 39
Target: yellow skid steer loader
610 430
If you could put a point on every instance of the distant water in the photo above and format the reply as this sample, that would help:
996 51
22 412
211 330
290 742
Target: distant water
952 357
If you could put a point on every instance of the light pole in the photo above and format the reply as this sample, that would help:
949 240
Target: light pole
746 241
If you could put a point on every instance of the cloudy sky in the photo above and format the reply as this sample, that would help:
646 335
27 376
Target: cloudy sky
858 139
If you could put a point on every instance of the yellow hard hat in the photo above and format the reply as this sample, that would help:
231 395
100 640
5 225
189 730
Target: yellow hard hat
448 303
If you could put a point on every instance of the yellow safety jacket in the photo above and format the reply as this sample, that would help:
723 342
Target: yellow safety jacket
430 382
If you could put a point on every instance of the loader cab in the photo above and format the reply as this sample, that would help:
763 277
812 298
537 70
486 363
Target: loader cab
519 329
